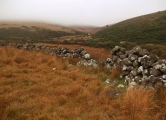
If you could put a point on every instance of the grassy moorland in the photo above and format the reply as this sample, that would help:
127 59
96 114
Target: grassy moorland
30 89
33 32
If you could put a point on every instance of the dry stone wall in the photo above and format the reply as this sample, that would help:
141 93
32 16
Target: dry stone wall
137 65
57 51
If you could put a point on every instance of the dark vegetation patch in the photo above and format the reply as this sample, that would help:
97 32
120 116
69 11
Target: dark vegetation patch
33 34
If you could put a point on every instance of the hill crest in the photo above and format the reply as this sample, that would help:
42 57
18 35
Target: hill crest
149 28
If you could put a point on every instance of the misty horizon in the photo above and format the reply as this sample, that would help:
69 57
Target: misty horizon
77 12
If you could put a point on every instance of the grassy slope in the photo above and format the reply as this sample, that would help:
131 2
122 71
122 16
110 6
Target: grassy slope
40 25
32 32
86 29
31 89
144 29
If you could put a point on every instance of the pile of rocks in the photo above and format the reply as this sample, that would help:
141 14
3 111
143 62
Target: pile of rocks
138 67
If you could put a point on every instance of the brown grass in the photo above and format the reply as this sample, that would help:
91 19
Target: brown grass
115 73
30 89
138 104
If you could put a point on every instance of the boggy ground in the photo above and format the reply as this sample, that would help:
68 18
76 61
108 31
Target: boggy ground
36 86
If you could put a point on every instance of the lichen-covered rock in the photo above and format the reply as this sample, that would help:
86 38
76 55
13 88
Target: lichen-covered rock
87 56
132 57
90 62
115 50
134 72
135 63
164 77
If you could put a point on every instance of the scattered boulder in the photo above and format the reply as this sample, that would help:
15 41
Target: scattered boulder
121 86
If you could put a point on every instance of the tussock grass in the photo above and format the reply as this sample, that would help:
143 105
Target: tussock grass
138 104
30 89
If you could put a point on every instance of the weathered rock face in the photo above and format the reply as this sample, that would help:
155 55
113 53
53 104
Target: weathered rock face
138 67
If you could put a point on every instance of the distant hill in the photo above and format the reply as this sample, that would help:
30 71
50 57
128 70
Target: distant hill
33 32
87 29
149 28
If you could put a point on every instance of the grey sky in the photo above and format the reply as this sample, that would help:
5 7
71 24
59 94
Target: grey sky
78 12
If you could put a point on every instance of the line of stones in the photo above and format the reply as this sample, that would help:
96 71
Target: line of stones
57 51
138 67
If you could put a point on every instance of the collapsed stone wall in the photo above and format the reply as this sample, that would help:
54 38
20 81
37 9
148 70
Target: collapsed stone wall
138 66
57 51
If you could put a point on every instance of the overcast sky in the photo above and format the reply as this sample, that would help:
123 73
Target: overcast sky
78 12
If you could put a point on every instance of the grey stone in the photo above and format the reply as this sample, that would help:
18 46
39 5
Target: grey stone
87 56
132 57
164 77
163 69
133 72
143 52
121 86
155 72
140 70
115 50
123 56
137 49
127 62
146 72
135 63
129 68
123 50
124 67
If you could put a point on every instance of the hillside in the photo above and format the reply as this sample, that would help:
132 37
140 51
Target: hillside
87 29
149 28
33 32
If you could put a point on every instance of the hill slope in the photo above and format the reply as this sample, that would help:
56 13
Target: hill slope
149 28
86 29
32 32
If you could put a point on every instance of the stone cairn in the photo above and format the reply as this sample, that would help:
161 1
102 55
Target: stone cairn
138 67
